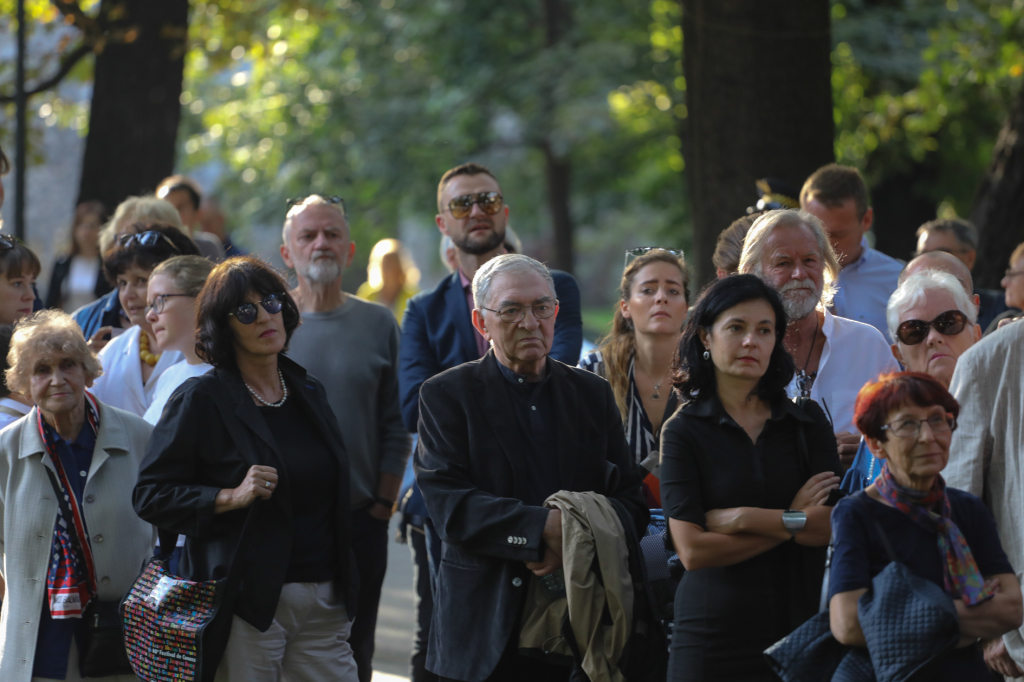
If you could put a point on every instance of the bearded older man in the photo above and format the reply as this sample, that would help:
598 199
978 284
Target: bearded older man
834 356
351 345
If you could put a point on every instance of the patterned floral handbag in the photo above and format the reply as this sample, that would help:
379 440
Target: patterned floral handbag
176 630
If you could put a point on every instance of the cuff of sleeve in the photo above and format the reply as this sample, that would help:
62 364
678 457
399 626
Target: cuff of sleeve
204 511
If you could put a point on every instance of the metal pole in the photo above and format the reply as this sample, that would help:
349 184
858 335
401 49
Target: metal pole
22 132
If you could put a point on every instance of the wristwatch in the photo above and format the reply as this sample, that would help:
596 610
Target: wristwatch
794 521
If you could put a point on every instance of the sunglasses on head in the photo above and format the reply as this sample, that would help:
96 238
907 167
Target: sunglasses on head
295 201
247 312
632 254
913 332
7 242
489 202
147 239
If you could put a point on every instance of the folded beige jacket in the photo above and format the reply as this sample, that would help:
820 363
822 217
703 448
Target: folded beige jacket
590 527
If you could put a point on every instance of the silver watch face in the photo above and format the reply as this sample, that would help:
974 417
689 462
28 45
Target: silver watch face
794 520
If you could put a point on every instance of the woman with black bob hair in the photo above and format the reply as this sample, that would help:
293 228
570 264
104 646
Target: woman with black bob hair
258 427
745 474
133 361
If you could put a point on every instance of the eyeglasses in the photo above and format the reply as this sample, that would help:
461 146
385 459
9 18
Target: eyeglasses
632 254
489 202
511 314
147 239
157 306
1011 273
911 428
247 312
949 323
294 201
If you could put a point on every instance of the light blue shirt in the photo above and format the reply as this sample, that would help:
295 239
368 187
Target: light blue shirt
865 287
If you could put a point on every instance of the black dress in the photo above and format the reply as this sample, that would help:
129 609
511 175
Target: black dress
726 617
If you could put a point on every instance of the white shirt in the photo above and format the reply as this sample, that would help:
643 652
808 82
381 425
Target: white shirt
6 404
80 284
168 383
121 383
854 354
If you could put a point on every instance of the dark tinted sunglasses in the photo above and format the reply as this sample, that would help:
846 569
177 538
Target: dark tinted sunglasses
489 202
145 239
949 323
330 200
247 312
7 242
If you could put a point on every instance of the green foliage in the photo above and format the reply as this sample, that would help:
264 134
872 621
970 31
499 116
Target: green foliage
918 82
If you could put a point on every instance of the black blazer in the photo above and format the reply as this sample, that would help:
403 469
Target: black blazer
470 469
61 268
208 437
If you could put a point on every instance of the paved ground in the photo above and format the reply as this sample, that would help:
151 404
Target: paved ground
395 620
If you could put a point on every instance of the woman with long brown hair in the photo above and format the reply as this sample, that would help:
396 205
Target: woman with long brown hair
636 356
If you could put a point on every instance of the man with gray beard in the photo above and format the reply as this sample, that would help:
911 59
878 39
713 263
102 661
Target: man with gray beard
834 356
351 346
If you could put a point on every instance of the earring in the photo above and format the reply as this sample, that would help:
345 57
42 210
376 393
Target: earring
707 355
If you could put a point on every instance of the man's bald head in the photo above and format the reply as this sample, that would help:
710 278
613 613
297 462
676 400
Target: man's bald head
943 262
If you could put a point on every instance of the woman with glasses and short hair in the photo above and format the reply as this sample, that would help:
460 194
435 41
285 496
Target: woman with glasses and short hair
258 427
933 322
134 360
636 355
942 534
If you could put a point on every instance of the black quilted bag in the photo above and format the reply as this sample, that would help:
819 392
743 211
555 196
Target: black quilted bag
908 623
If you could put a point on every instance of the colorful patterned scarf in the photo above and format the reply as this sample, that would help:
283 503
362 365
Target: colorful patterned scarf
69 585
931 511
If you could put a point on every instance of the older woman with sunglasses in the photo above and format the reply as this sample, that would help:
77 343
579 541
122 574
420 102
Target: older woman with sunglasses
934 321
258 428
941 534
133 361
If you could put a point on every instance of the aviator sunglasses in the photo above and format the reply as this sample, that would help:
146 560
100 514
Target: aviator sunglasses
489 202
145 239
949 323
247 312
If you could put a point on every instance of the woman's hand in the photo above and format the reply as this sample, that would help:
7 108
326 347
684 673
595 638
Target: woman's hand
725 521
260 482
100 339
999 659
815 491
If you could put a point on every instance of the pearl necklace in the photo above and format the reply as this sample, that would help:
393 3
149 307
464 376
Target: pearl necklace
284 389
144 354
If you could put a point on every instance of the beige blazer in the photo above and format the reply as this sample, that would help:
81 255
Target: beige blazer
121 541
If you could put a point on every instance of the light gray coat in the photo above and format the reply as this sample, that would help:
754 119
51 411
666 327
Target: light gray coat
121 541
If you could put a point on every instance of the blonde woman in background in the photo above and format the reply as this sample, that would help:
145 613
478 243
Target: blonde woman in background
636 356
392 277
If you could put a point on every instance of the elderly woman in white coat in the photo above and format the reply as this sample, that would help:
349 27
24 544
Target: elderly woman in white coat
93 451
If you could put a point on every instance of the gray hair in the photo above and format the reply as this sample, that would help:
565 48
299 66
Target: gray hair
509 263
914 290
753 247
42 334
297 208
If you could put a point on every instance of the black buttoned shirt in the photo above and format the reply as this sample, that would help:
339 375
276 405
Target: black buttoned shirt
531 402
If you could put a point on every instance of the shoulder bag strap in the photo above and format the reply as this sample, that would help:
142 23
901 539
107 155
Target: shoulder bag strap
169 539
881 531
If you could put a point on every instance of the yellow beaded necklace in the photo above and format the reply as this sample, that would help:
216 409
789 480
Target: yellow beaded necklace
144 353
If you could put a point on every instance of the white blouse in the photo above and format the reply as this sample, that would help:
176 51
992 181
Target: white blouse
121 383
168 383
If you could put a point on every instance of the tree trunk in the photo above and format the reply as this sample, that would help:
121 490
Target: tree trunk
133 121
900 210
558 168
759 97
999 202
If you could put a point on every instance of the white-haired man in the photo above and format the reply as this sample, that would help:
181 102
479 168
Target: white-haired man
494 443
834 356
352 346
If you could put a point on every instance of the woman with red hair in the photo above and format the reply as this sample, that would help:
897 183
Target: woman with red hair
941 534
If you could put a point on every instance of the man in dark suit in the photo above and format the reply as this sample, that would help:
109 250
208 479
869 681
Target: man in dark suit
437 331
497 437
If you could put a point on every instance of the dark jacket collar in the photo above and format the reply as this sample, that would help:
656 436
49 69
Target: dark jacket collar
455 304
712 408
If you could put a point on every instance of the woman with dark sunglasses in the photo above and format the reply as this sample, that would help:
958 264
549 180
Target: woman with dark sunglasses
933 322
133 361
258 428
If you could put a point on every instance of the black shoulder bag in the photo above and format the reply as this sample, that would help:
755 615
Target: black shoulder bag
103 651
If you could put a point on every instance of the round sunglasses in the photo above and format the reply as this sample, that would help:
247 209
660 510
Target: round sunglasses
489 202
247 312
949 323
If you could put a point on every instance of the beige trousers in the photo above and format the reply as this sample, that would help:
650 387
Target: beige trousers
307 642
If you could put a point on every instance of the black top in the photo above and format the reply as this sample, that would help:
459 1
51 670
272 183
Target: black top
859 556
312 473
531 403
726 617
